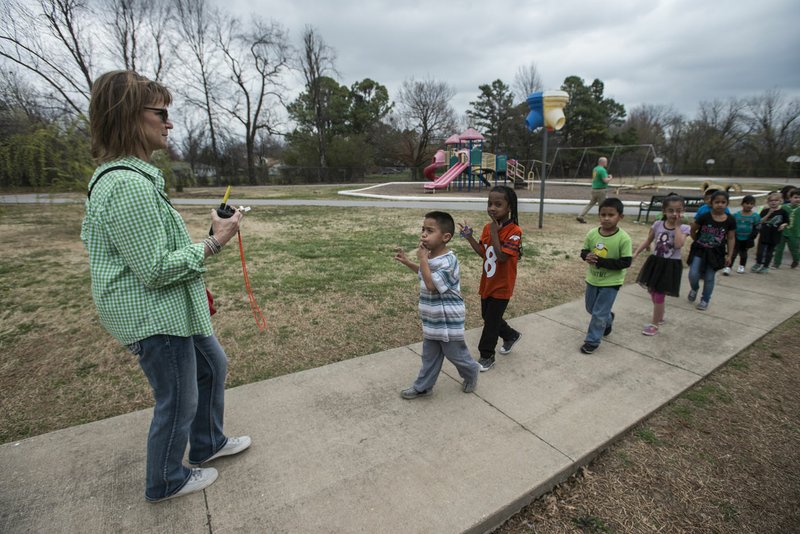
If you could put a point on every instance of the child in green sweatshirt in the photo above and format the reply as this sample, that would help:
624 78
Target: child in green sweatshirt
791 234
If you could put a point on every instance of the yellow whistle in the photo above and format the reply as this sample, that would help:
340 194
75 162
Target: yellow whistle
225 198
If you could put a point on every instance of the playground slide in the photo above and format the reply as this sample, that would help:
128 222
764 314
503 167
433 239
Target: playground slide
445 179
438 161
430 171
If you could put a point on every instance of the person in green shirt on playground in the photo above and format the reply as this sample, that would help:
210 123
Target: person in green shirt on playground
147 283
600 179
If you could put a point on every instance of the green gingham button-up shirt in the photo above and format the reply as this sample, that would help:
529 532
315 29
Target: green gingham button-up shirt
146 272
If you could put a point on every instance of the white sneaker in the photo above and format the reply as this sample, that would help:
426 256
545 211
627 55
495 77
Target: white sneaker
726 271
200 479
740 270
232 446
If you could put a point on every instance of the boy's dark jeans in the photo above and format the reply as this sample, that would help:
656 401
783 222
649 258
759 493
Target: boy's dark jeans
765 251
494 325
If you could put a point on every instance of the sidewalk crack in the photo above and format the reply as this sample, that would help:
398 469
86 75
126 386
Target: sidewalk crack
526 429
208 513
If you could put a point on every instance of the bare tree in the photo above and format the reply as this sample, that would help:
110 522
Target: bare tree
125 27
716 133
720 131
650 123
256 59
316 61
197 36
139 29
526 81
193 142
52 44
774 125
20 110
425 113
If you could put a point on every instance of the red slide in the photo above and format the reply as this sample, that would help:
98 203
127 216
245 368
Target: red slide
445 179
430 171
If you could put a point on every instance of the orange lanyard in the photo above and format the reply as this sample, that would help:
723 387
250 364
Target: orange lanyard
261 322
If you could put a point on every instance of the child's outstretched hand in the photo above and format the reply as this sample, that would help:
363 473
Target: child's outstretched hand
400 255
466 230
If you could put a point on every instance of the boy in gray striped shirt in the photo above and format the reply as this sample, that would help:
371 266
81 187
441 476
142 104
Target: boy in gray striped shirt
441 307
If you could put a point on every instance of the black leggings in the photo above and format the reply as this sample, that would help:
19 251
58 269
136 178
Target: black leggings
740 250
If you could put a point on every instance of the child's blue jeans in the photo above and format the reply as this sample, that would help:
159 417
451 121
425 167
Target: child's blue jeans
698 269
599 301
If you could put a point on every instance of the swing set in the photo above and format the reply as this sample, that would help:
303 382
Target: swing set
635 161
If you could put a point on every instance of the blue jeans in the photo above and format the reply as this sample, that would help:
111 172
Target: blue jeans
187 375
599 301
698 269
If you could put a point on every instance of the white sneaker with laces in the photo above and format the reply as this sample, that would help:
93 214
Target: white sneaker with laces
740 270
726 271
200 479
232 446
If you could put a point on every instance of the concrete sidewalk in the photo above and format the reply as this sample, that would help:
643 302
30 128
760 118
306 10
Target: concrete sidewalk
335 449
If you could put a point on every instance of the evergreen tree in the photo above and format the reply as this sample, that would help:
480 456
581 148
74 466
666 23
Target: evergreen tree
590 116
492 113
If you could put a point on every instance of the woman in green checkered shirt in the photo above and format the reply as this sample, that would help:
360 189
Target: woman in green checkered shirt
147 283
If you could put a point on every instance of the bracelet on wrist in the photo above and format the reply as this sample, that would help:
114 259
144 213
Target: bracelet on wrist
213 245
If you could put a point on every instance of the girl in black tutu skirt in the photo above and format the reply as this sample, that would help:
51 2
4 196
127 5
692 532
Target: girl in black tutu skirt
661 273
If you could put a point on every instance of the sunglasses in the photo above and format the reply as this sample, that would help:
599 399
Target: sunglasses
161 112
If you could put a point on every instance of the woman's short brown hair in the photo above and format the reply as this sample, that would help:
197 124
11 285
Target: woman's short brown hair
115 113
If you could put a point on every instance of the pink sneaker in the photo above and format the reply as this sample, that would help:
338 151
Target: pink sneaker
650 330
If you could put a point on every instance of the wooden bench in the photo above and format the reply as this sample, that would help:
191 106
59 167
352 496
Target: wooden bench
656 203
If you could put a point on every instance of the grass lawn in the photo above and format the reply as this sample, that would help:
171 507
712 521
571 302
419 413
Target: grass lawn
324 277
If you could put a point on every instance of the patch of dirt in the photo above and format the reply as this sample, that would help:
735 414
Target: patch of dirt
721 458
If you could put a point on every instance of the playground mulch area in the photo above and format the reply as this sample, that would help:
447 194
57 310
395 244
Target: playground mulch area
553 190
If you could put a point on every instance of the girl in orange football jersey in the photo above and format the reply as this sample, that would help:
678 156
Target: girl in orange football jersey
500 246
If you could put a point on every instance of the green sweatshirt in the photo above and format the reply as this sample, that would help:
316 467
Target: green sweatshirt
793 230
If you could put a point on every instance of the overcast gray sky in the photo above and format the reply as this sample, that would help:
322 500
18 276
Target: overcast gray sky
677 52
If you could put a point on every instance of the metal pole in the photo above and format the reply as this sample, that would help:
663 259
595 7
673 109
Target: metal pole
544 173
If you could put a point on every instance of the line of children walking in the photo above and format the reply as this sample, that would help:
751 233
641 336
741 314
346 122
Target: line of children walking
717 237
